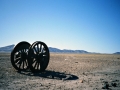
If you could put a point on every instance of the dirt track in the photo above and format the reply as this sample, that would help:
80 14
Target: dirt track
65 71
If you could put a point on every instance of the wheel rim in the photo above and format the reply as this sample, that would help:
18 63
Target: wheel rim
39 56
19 56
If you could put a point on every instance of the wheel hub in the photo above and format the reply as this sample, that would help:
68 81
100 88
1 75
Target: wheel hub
23 56
39 57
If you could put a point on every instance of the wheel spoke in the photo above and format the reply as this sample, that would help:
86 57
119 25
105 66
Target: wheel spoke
25 50
20 64
26 62
17 59
42 50
35 50
34 60
38 48
37 66
23 64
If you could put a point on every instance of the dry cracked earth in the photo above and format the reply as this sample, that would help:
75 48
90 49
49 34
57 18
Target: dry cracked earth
65 72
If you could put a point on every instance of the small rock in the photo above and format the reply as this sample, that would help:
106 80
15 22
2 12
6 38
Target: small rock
106 74
81 81
83 73
101 79
114 84
115 81
106 86
41 84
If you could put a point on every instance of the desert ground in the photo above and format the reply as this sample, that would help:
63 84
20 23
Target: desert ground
65 72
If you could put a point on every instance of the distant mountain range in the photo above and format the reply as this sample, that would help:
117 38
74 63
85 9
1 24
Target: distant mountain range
117 53
7 48
51 49
66 50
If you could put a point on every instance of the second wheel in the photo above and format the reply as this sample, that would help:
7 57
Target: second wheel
38 56
19 54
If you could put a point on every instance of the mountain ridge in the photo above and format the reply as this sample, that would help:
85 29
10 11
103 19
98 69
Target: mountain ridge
66 50
9 48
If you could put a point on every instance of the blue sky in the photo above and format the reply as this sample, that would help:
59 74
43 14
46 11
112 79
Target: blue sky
91 25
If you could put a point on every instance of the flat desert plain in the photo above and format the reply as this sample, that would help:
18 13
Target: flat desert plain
65 72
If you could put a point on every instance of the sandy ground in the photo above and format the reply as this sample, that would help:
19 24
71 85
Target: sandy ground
65 72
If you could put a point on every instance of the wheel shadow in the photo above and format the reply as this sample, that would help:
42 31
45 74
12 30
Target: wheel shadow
51 75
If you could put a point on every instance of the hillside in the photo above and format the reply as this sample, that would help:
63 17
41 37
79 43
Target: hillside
9 48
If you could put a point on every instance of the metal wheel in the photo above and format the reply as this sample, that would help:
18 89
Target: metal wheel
38 56
19 56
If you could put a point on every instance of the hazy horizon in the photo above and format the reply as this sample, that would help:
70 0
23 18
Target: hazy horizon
90 25
68 49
